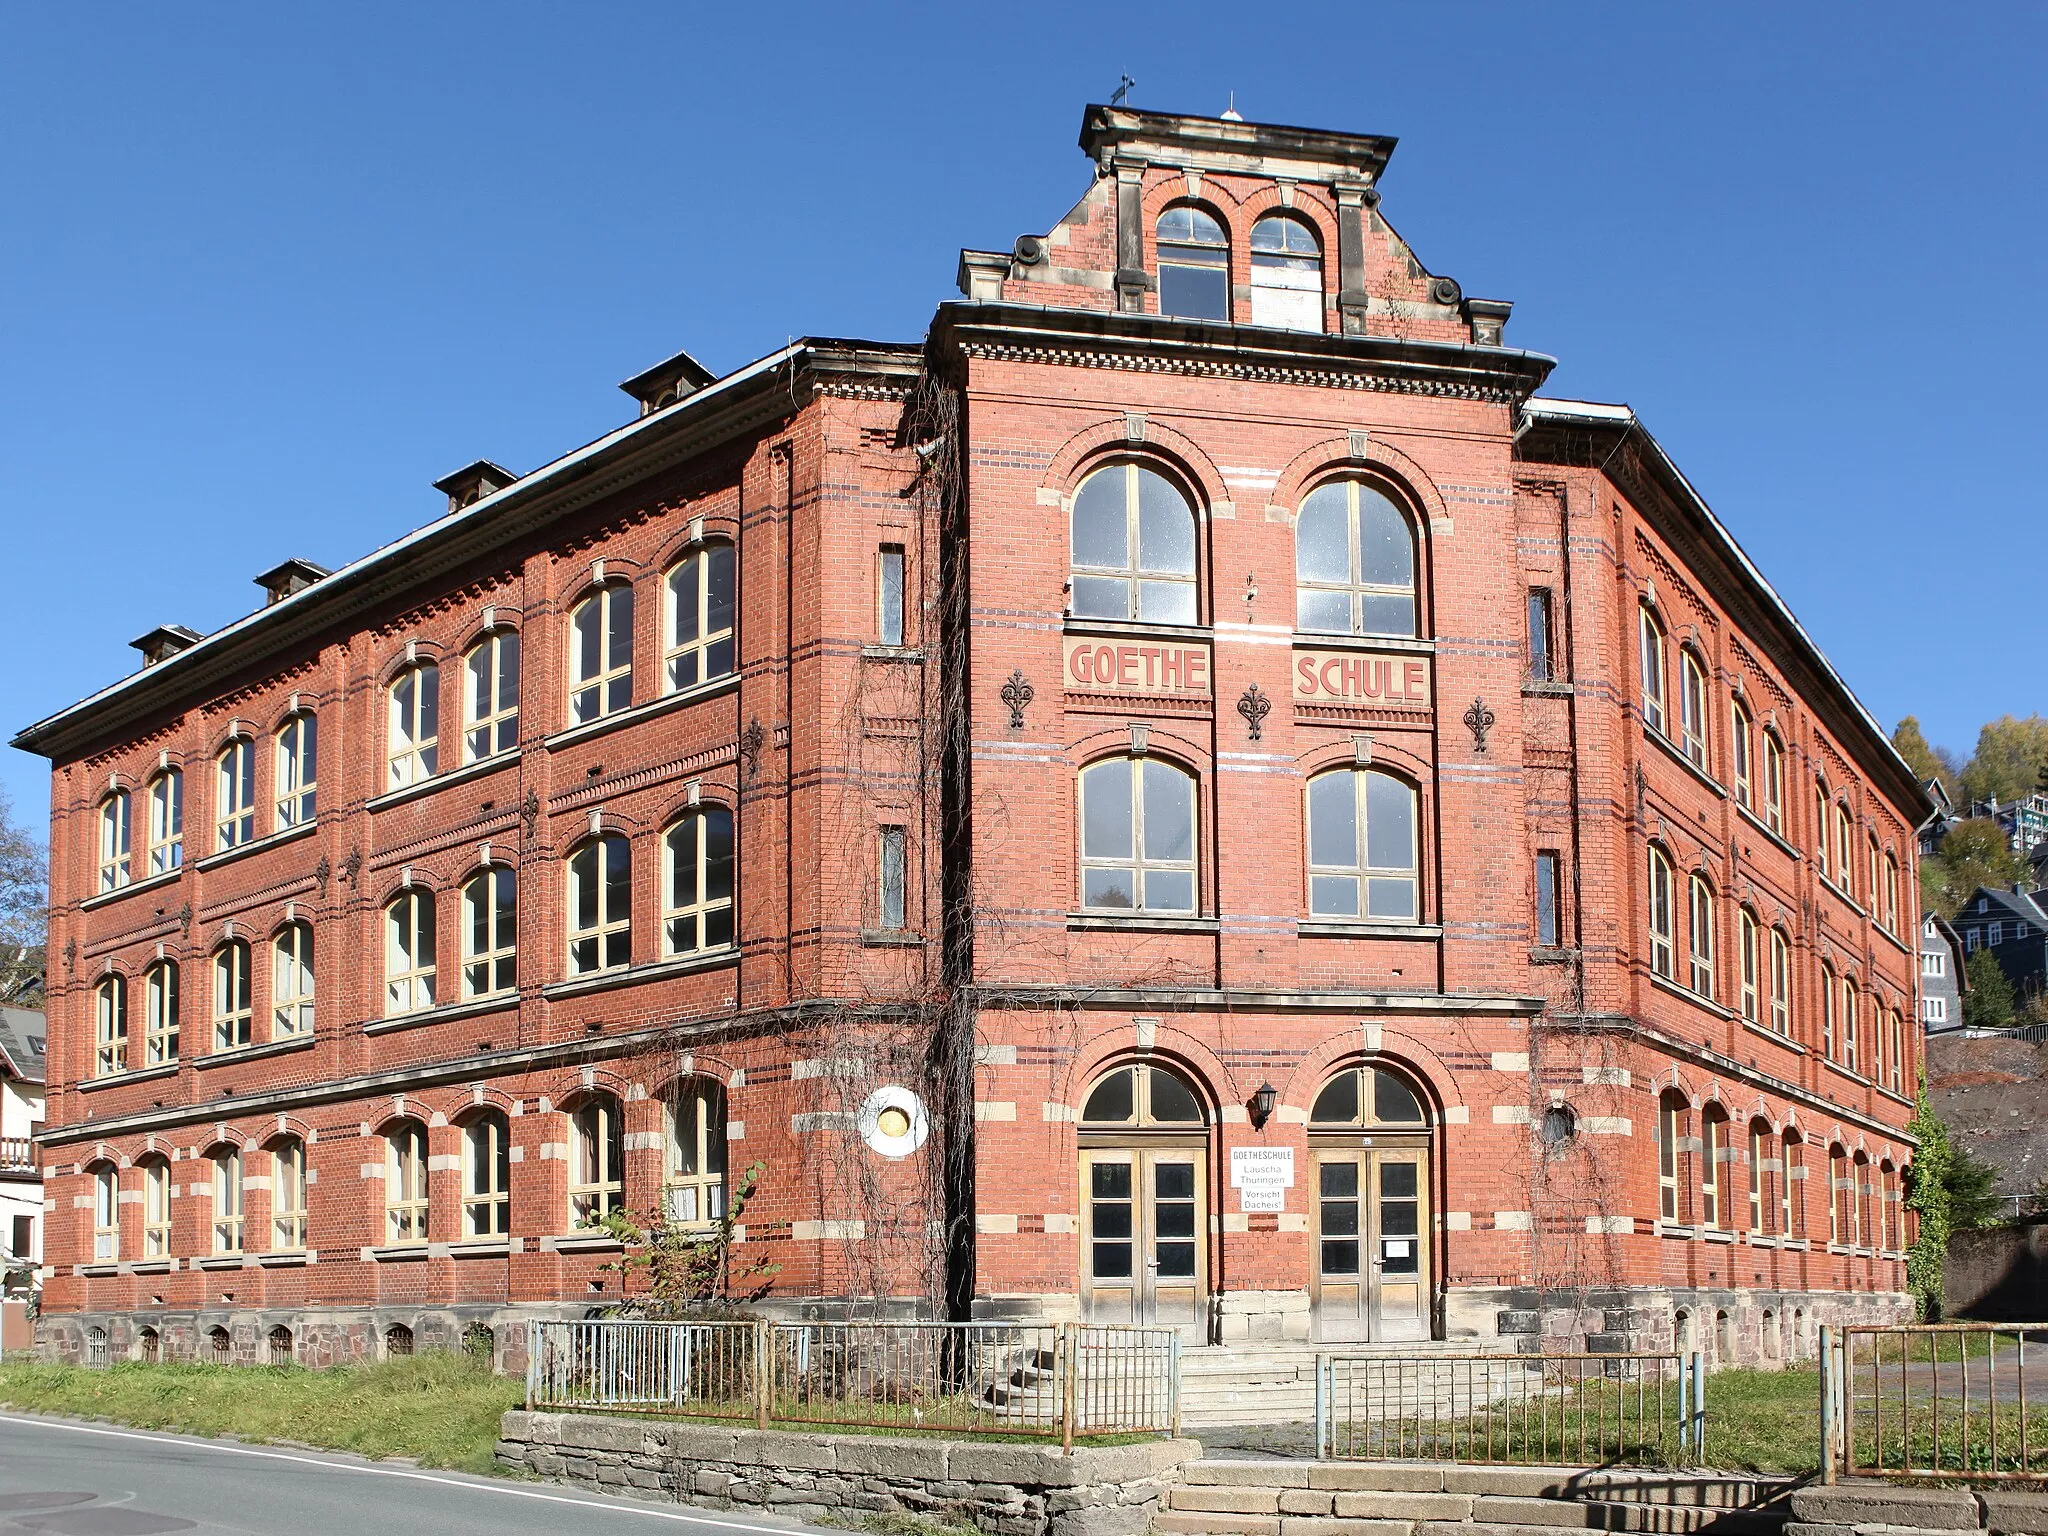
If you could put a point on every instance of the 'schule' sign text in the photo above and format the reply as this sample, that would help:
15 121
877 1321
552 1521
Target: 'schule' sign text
1362 677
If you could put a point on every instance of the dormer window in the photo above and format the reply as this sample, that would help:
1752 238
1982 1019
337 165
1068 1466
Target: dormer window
1194 265
1287 275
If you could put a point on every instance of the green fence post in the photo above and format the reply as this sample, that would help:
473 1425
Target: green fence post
1827 1403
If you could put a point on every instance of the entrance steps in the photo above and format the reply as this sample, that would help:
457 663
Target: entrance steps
1271 1383
1217 1497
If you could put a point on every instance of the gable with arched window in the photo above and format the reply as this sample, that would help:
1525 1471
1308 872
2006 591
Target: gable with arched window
1354 562
601 653
1362 846
1137 836
697 629
1287 274
1194 264
1134 548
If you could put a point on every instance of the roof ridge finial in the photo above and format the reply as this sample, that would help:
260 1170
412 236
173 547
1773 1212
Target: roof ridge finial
1230 113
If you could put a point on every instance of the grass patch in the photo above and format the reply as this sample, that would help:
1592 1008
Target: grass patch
439 1409
1764 1421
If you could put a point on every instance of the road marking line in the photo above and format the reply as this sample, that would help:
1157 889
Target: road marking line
414 1476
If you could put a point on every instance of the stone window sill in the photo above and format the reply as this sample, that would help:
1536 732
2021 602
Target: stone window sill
1342 928
95 1271
1676 753
913 653
891 938
441 1015
289 1258
254 846
396 1253
1535 690
1309 640
140 1075
253 1052
219 1261
1666 984
582 1242
1759 824
152 1266
132 888
1673 1229
1139 923
481 1248
1717 1235
1076 626
632 975
619 719
1774 1037
433 781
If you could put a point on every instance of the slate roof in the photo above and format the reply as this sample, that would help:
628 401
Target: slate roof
22 1044
2009 905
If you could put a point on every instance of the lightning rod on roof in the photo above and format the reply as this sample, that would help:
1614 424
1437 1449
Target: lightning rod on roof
1230 113
1122 93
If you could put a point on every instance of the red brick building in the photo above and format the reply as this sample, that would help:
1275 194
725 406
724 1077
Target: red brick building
1193 795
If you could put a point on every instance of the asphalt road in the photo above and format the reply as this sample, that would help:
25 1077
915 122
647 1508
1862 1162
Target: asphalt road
66 1479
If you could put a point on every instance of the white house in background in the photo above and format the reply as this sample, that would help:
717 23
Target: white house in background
21 1116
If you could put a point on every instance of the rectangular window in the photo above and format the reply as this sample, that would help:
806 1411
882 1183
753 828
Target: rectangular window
1996 935
1546 898
890 595
23 1237
1934 1010
1934 962
894 877
1540 667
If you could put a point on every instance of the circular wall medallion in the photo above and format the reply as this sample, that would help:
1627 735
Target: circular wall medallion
893 1121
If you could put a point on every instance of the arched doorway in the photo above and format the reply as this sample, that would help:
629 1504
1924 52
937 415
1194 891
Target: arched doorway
1369 1138
1144 1200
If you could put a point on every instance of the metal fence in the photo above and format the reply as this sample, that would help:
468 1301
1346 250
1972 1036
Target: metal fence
1954 1401
1583 1410
1050 1381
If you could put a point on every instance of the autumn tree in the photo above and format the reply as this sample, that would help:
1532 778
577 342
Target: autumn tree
2010 759
1926 761
1973 853
24 909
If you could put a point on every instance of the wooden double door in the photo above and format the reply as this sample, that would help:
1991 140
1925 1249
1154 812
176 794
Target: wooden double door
1370 1251
1145 1236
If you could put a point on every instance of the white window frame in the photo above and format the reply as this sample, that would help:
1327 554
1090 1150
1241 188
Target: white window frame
411 941
297 770
486 1176
116 847
1362 870
405 1184
166 821
1662 919
1692 708
1138 578
1934 1010
234 794
490 947
492 664
1287 279
1933 962
1752 967
1670 1164
106 1215
291 981
1781 983
1712 1138
110 1025
1650 668
1355 588
228 1191
288 1196
1701 928
609 688
597 1175
686 919
413 725
1136 864
686 592
1741 760
156 1208
695 1189
1851 1052
162 1004
1774 784
234 991
608 938
1829 1014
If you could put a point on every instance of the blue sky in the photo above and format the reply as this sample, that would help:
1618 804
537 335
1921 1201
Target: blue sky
266 271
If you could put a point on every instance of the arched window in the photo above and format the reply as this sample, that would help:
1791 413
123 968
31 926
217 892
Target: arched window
1137 836
115 867
160 1013
166 822
696 906
490 696
1850 1043
1663 927
151 1345
1692 708
1671 1117
1134 548
601 653
1891 894
405 1183
1194 264
697 644
600 906
1828 1045
1740 744
227 1200
1759 1151
487 1175
1713 1165
291 981
106 1214
397 1342
414 743
110 1025
596 1161
1142 1096
1860 1212
156 1208
1354 562
1774 784
1650 662
234 794
1752 978
1792 1185
232 1013
97 1357
1367 1096
1895 1053
1781 983
288 1195
697 1153
490 932
1821 865
1703 937
409 952
1361 846
1841 1199
220 1346
1287 275
298 769
1845 869
280 1341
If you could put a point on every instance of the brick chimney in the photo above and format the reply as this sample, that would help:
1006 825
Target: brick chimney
164 642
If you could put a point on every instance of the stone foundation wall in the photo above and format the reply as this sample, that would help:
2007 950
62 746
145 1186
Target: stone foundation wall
1732 1327
1008 1490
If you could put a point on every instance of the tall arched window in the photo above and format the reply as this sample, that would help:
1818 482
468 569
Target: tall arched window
601 653
232 1013
110 1025
487 1175
490 696
227 1200
414 743
1287 274
1671 1118
1663 925
1137 836
1354 562
1194 264
1850 1043
409 959
697 1152
1845 840
1890 906
1792 1185
490 932
288 1195
1741 767
291 981
1134 548
160 1006
697 643
1362 846
1774 784
1752 973
1367 1096
234 794
405 1183
1692 708
106 1214
1703 937
1828 1039
115 866
596 1161
298 769
1759 1150
1650 664
166 822
1781 982
1821 865
600 906
1895 1053
1713 1165
1142 1096
156 1207
696 906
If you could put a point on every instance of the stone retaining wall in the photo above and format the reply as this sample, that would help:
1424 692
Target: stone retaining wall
1023 1489
1868 1508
